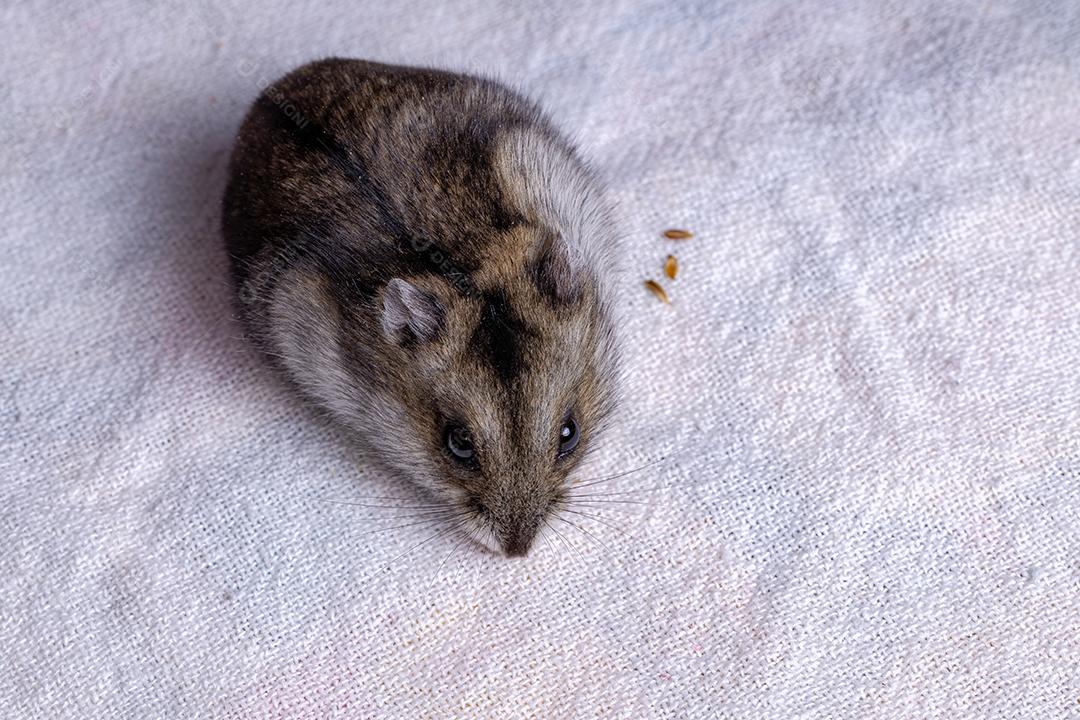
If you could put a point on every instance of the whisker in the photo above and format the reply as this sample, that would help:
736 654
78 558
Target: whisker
426 540
408 515
593 537
603 521
597 481
634 492
432 521
547 540
383 497
383 507
563 538
418 513
464 538
618 502
618 510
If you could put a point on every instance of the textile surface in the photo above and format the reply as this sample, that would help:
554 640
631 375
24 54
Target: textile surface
865 388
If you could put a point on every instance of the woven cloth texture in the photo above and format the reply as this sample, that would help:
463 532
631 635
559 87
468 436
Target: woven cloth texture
866 386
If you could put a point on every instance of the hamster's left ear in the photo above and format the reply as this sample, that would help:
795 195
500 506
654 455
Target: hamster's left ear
410 313
554 271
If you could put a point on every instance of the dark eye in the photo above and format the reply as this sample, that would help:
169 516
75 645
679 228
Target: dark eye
568 436
460 444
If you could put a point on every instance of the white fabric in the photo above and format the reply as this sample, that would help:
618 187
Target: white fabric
870 367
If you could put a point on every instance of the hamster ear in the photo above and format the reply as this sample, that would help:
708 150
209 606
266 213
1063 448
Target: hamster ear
554 272
409 313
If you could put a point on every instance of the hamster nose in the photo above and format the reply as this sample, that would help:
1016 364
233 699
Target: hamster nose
518 537
517 547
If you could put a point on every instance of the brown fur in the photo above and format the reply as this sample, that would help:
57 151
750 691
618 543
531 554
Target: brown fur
347 174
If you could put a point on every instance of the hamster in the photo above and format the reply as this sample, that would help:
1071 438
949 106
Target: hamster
425 257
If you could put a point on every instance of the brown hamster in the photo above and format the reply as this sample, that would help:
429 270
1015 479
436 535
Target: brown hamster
424 256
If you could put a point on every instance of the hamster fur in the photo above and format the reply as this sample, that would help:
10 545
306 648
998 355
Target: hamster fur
423 255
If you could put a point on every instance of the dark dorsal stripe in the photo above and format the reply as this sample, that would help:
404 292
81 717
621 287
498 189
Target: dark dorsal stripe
501 337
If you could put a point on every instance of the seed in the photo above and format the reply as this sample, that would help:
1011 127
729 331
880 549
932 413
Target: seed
676 234
671 267
655 288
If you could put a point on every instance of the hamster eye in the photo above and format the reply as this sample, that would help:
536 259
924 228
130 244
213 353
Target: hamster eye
460 444
568 436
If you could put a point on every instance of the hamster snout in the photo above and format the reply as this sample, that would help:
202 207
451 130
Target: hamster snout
424 256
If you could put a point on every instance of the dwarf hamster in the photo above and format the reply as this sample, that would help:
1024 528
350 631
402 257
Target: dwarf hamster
424 256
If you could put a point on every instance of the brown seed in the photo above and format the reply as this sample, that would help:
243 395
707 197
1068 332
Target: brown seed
671 267
655 288
676 234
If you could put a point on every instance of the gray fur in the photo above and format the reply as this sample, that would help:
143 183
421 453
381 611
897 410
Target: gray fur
414 249
409 313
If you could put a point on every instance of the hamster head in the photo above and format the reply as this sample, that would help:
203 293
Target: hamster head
500 386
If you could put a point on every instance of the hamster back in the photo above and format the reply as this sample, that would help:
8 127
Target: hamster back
425 257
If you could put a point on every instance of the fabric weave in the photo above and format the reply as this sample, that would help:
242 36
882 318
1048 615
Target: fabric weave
865 385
